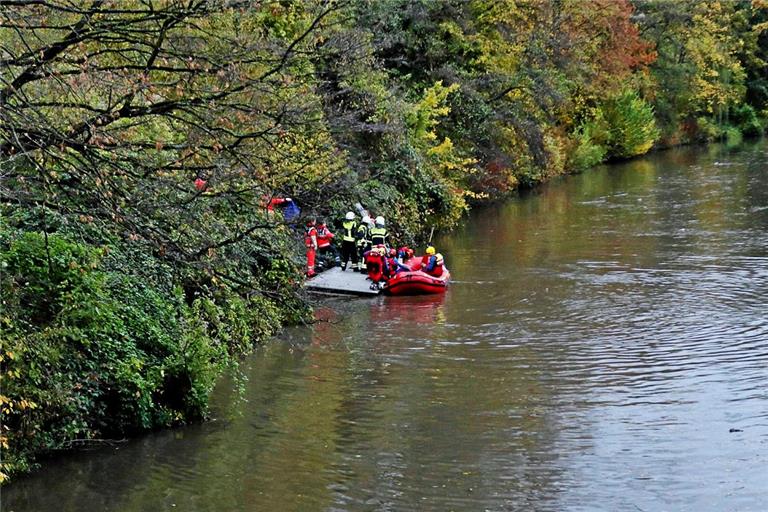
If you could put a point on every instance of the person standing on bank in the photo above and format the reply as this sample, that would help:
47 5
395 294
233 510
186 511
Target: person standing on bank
310 240
348 248
363 242
379 233
324 238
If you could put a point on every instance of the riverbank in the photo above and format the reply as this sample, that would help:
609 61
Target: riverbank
100 343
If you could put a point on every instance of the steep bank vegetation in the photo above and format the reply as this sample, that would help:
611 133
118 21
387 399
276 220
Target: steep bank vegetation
140 142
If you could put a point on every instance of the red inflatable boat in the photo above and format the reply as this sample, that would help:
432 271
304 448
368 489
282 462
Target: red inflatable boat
416 282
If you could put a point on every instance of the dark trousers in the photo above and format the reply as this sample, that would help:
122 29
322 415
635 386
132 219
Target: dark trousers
361 249
329 249
348 252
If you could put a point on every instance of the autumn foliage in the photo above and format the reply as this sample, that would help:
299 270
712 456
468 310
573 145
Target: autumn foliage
139 140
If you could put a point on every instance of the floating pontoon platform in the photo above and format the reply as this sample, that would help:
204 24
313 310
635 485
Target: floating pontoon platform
337 281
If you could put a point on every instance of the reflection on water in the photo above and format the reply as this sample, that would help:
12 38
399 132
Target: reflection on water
602 338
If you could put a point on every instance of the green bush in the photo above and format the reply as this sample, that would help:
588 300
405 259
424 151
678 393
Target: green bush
745 118
48 272
733 136
631 124
588 152
707 129
710 130
88 353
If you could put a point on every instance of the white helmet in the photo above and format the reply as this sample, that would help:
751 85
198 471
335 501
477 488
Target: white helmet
367 220
380 221
350 216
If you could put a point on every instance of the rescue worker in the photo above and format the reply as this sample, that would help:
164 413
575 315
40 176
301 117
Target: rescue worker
310 240
392 266
363 242
379 233
432 262
348 239
374 262
272 202
405 253
324 238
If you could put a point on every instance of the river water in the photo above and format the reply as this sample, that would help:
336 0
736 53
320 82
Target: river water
604 346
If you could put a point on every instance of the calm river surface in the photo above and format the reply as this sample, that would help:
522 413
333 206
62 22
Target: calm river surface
604 347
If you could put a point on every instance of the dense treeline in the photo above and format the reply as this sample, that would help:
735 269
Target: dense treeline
140 141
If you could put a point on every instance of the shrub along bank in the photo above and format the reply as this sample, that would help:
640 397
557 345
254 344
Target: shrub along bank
104 342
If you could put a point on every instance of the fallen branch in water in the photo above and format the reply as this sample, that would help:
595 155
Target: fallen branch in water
91 443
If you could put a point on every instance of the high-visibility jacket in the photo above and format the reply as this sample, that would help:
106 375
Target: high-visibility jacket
350 227
363 235
378 236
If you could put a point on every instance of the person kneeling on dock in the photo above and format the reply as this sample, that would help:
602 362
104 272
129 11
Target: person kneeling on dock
432 262
374 263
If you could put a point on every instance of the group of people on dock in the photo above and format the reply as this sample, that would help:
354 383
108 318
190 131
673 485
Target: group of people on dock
365 247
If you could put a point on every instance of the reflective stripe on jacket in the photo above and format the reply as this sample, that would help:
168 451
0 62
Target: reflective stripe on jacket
349 230
378 236
363 235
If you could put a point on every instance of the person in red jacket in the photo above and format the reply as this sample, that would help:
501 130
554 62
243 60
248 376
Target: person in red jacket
324 238
275 201
405 253
432 262
392 266
374 263
310 240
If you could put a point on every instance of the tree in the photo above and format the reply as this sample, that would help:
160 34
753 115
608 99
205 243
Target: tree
700 74
169 121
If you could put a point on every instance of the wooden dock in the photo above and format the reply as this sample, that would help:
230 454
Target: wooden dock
336 281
